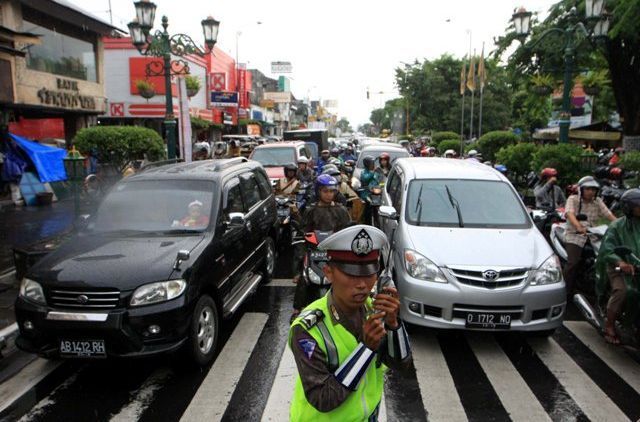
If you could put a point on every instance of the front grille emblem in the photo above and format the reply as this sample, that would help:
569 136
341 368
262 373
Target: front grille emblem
83 299
490 275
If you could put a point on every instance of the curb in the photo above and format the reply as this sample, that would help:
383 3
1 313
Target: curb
7 339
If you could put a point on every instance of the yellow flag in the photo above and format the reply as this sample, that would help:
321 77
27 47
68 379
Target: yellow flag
471 80
482 72
463 80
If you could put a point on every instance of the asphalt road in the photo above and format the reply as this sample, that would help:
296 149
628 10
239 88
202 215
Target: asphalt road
457 375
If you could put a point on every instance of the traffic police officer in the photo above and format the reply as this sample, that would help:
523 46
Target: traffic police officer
344 342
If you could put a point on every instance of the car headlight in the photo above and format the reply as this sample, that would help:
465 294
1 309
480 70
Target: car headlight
313 277
32 291
548 273
420 267
157 292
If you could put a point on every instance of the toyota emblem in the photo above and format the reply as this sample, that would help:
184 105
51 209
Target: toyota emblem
490 275
83 299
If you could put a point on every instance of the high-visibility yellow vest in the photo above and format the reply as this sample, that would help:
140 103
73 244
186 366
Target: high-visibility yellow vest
361 403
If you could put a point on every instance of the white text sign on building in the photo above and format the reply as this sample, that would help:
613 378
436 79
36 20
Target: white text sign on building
281 67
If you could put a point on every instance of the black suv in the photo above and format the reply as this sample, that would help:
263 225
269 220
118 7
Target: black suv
168 253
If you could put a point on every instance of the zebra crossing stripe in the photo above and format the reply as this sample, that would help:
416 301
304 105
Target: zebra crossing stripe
514 393
613 356
211 399
18 385
592 400
279 402
439 394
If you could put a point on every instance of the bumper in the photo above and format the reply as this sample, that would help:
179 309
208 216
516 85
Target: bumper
444 305
124 331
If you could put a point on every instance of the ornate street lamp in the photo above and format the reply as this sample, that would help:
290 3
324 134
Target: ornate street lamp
74 166
162 45
573 34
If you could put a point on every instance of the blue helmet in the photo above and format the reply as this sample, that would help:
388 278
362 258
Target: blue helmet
501 168
325 180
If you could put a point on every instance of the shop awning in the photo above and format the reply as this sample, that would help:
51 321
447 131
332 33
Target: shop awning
47 160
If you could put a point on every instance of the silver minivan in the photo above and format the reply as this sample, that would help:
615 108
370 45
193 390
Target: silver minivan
466 253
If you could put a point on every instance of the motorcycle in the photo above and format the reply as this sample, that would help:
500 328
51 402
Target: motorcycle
585 280
628 324
611 194
544 219
316 284
372 201
287 225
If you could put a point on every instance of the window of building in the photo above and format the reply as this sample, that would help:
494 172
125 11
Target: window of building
61 54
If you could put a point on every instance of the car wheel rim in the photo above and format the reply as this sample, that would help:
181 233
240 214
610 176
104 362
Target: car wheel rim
206 330
270 258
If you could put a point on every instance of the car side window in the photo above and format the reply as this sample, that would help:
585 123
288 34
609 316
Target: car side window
249 189
233 200
263 183
394 188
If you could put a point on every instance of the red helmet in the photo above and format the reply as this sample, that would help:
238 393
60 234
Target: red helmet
615 172
548 172
619 150
424 152
385 156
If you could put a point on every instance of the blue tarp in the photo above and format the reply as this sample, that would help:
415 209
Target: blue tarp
46 159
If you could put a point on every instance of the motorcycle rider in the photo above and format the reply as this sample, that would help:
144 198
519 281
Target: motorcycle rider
288 185
324 215
384 167
325 155
332 170
472 155
369 177
547 192
449 154
348 155
590 208
305 174
623 232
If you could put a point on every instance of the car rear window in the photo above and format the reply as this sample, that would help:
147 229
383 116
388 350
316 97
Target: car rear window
394 152
274 157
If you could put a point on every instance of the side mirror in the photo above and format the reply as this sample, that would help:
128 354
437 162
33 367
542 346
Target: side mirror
236 219
183 255
622 251
386 211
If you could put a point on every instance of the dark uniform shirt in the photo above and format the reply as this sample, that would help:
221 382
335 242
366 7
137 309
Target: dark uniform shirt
322 390
334 217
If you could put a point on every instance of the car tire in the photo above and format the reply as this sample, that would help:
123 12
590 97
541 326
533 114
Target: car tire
269 264
203 331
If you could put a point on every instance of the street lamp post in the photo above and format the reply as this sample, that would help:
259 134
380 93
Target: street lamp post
572 34
162 45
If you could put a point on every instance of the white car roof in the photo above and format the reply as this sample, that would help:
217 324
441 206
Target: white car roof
447 168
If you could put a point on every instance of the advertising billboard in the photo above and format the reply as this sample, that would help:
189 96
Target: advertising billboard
224 99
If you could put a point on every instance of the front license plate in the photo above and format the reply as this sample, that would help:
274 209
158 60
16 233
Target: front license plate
82 348
318 256
284 212
488 320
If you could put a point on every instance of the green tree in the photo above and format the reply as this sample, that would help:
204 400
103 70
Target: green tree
438 137
517 158
119 145
453 144
343 125
566 158
490 143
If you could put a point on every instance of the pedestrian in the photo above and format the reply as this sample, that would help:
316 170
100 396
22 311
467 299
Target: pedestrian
344 342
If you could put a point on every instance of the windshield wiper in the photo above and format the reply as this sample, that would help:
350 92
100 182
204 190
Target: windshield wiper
419 205
182 231
455 204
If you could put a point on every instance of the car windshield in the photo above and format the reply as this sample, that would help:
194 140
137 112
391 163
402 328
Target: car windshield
156 206
274 157
394 152
482 203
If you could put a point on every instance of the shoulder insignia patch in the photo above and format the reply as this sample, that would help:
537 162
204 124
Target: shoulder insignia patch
307 346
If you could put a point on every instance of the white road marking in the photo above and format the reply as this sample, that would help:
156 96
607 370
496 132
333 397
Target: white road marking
13 388
143 396
595 404
212 398
279 402
613 356
514 393
37 411
281 282
439 394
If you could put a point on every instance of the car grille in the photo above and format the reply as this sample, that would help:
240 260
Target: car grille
83 299
460 310
506 278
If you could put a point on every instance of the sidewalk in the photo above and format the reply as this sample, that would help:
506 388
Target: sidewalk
21 226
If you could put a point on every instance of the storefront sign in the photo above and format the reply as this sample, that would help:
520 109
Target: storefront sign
224 99
218 81
242 88
278 97
267 104
281 67
61 98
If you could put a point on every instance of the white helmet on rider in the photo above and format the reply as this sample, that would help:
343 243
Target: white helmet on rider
588 182
449 153
303 160
472 153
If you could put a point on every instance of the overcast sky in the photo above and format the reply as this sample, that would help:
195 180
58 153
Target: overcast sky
337 48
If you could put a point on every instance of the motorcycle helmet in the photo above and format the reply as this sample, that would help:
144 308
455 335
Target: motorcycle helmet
548 172
290 167
368 161
324 180
331 170
335 161
619 150
325 153
472 153
303 160
449 152
629 200
335 152
404 143
424 152
501 168
615 173
588 182
385 156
